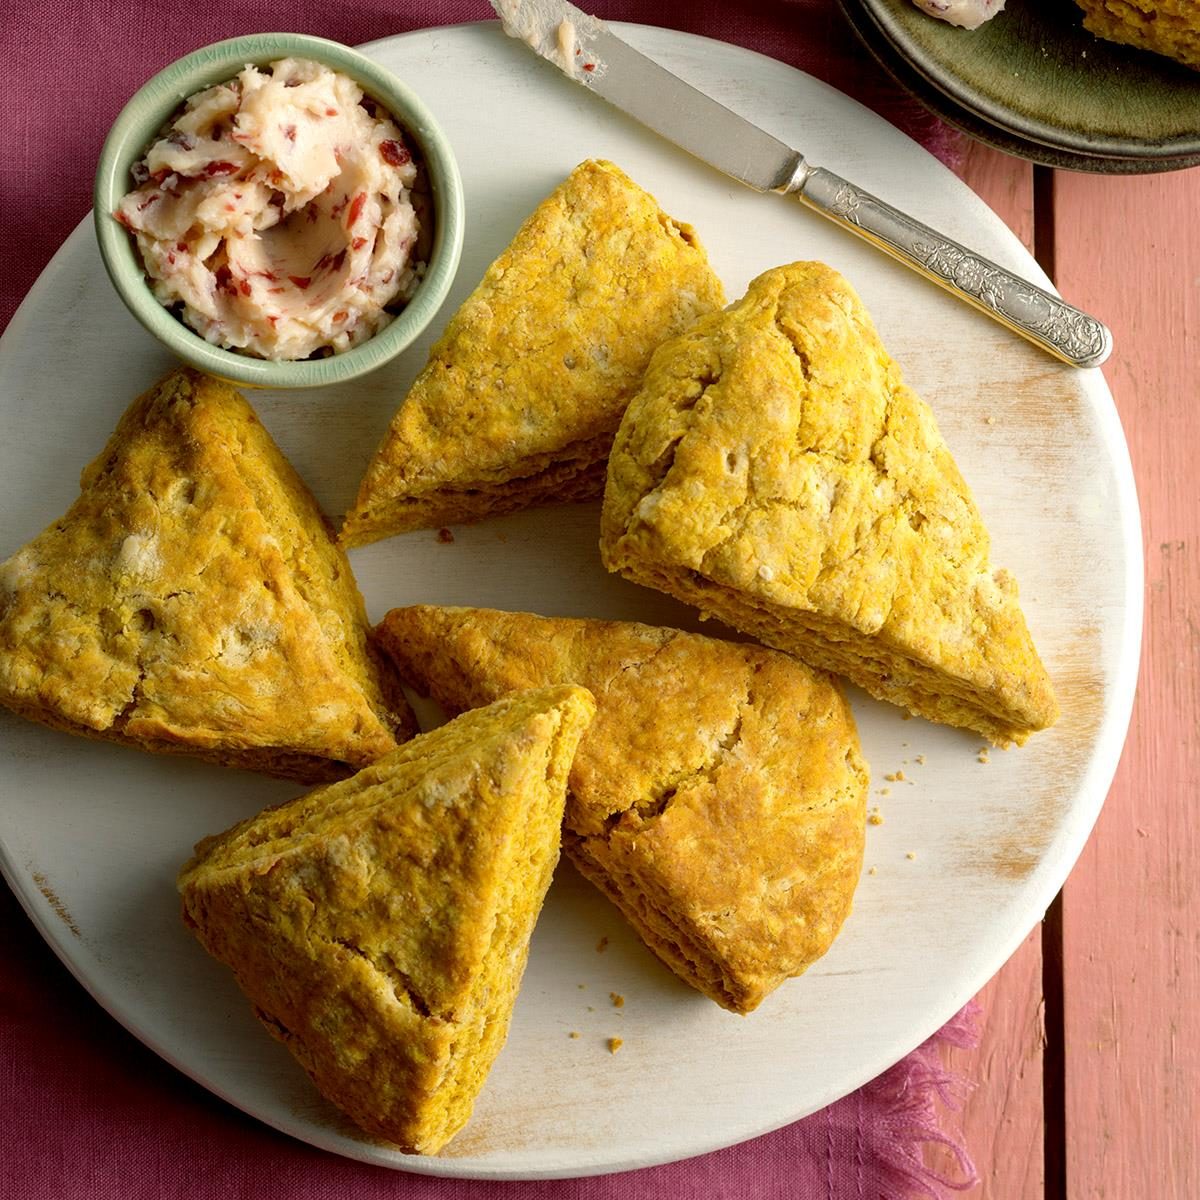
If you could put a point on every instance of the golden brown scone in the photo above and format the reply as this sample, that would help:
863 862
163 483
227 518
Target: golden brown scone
193 600
718 799
1170 27
380 926
524 391
775 471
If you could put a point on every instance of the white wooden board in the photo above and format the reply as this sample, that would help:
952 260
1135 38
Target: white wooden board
91 835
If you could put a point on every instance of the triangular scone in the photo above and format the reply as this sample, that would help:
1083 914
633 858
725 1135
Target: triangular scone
525 389
380 925
193 600
718 799
775 471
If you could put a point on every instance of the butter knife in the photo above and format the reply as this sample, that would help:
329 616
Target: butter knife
588 52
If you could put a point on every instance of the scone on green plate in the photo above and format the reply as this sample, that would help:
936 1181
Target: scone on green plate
775 471
380 926
718 799
1170 27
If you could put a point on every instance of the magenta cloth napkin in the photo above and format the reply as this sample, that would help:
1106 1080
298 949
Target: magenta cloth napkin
70 66
88 1112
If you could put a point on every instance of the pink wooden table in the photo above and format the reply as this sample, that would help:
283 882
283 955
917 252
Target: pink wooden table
1089 1069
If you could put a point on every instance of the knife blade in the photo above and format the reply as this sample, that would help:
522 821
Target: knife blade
589 53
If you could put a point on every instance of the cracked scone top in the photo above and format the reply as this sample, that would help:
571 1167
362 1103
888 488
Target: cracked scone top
524 390
192 600
718 799
776 472
380 926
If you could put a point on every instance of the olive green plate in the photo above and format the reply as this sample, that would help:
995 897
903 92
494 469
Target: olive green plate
1038 84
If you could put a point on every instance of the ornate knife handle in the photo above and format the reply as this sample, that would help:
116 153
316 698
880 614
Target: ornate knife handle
1062 330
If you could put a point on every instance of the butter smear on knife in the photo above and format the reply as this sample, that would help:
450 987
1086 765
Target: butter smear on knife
558 39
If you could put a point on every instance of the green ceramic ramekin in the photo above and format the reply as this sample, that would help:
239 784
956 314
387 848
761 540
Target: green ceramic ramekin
142 119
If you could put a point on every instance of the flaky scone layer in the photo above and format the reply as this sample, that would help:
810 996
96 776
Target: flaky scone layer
718 798
380 926
775 471
192 600
523 392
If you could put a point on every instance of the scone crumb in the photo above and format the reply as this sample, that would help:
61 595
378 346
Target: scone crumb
573 1034
872 870
885 791
895 777
602 944
920 760
617 999
614 1044
581 986
912 854
984 756
875 817
445 536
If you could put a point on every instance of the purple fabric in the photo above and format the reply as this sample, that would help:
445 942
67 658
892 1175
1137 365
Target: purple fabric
89 1113
69 67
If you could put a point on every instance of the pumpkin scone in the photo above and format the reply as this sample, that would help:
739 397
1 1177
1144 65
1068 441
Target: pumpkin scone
775 471
380 926
192 600
718 799
1170 27
523 392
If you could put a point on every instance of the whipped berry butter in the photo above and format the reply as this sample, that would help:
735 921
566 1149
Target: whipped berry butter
275 213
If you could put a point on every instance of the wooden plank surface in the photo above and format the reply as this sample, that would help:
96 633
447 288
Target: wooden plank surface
1129 249
1002 1118
1131 909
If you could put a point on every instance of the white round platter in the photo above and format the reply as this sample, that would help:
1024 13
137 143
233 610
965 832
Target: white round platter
969 854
